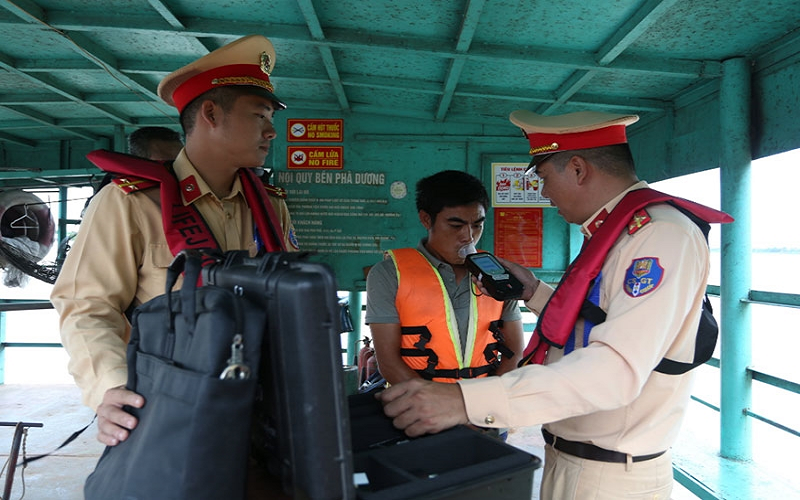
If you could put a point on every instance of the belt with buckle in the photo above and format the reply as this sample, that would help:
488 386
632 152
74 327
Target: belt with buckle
592 452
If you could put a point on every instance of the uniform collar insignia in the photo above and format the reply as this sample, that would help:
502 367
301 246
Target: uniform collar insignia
638 221
595 224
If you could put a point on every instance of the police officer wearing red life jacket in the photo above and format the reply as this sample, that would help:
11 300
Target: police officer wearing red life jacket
427 319
609 415
210 198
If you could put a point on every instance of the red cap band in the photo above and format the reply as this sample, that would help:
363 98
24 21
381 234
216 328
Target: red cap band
232 74
542 143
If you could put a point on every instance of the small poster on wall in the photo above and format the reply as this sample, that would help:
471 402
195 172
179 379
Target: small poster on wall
518 235
512 188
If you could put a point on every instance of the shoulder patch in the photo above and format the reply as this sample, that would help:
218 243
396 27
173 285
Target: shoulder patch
293 239
132 184
638 221
275 191
643 276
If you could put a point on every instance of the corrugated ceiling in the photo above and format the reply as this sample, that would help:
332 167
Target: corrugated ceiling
76 69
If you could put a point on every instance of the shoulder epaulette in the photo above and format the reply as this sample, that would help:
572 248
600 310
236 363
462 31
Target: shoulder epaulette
638 221
130 184
275 191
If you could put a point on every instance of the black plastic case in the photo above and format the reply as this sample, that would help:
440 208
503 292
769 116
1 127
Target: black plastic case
458 464
318 441
301 422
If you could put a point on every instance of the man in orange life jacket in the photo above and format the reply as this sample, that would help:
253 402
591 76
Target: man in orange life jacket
609 417
119 259
427 318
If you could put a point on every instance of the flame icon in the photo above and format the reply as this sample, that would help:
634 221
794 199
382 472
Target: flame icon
298 157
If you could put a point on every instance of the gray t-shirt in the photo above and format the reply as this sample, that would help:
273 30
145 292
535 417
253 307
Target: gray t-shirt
382 292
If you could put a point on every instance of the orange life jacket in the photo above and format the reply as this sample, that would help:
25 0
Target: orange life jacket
430 342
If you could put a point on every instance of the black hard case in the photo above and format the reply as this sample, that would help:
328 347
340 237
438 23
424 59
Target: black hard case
314 438
458 464
301 421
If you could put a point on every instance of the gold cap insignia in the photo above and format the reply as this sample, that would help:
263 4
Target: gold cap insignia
266 63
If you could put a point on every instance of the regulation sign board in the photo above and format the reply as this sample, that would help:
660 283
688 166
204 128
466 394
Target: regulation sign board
315 157
315 130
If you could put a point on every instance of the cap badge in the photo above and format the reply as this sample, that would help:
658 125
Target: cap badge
266 63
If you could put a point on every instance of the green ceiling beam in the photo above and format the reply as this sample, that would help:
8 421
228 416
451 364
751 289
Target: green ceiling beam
449 89
465 36
23 9
46 120
108 63
56 175
31 13
346 38
314 27
17 140
45 81
650 12
166 14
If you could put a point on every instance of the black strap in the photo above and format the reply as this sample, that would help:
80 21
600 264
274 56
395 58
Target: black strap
705 340
705 343
430 372
592 312
499 346
592 452
707 330
26 461
456 373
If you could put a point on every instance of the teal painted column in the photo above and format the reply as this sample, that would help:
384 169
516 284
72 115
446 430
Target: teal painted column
2 348
62 214
575 241
120 139
735 329
353 346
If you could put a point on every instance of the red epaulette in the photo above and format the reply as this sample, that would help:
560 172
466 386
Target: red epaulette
638 221
130 184
275 191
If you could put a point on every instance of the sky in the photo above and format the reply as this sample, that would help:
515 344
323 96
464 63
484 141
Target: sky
775 195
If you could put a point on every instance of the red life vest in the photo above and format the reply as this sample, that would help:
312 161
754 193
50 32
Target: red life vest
184 227
430 342
558 317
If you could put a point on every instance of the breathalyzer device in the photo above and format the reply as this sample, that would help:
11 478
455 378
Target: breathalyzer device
498 281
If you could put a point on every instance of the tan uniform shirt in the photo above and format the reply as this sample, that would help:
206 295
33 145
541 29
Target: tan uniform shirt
118 259
607 393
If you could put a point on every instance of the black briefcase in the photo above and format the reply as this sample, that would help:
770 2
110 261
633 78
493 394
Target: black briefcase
193 433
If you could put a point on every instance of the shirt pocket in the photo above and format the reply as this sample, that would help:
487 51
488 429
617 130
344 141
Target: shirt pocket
153 274
158 256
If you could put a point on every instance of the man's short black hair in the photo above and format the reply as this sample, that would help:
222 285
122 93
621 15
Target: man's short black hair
225 97
139 140
449 188
616 159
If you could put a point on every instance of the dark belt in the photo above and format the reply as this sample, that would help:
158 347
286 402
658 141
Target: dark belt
592 452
